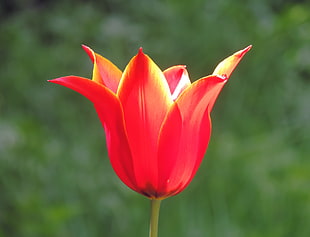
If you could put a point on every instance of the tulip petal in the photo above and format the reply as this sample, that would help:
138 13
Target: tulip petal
111 115
185 134
178 79
145 96
226 67
104 72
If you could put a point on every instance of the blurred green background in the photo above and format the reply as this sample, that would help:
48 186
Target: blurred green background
55 177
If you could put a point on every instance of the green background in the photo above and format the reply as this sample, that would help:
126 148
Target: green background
55 176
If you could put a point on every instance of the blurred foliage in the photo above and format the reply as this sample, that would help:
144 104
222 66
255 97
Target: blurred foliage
55 176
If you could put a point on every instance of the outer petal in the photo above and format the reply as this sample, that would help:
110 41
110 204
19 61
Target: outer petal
178 79
145 96
104 72
185 135
226 67
110 113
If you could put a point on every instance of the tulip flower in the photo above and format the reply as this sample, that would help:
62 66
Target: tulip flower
157 123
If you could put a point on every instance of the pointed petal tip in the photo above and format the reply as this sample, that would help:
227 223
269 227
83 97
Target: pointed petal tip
242 52
89 52
61 79
56 80
84 46
52 80
247 48
227 66
140 53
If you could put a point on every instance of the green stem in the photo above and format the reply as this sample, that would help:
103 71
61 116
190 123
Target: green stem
155 206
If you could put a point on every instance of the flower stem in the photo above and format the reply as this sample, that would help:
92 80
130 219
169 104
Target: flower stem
155 206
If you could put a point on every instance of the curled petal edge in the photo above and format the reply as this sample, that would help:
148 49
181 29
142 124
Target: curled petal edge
111 115
178 79
104 71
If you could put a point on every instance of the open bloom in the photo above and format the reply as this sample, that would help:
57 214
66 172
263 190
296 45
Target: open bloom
157 123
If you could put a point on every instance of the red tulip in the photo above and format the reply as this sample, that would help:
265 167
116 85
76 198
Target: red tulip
157 123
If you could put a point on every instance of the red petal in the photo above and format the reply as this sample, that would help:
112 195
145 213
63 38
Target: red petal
110 113
104 72
226 67
145 96
185 134
178 79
